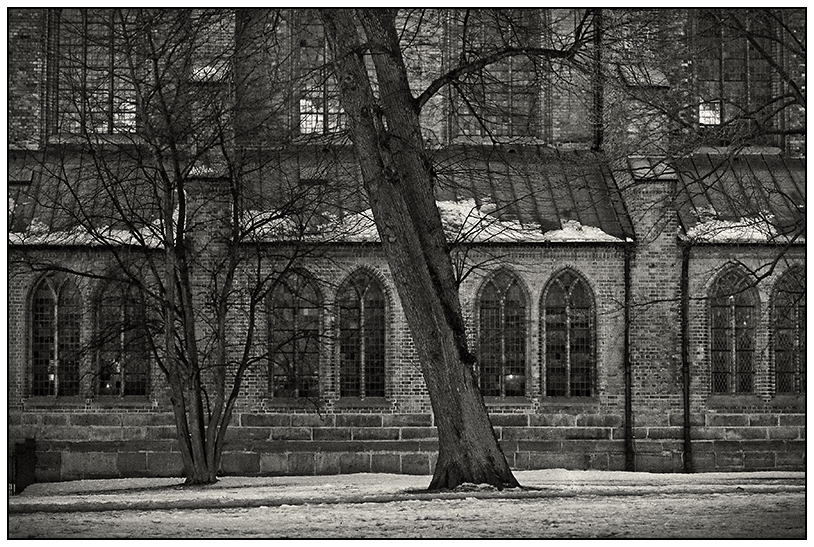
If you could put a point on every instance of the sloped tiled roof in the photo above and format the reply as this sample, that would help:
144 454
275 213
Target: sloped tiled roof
761 193
735 198
523 194
543 189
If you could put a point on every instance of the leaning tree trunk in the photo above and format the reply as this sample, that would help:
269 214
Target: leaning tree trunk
398 179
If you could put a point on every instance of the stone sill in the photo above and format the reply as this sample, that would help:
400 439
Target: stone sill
72 403
56 403
793 402
733 400
568 401
131 401
362 402
506 401
294 403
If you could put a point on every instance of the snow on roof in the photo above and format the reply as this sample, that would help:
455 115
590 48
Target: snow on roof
463 221
743 230
39 234
737 198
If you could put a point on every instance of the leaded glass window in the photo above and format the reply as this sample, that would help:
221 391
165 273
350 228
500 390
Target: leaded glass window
55 342
503 99
789 333
362 338
95 91
294 329
733 75
568 319
732 330
123 345
503 332
318 106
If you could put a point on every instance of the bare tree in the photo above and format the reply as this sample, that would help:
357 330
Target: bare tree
187 133
143 165
399 179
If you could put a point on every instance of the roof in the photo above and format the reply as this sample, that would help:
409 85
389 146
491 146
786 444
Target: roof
523 194
547 192
734 198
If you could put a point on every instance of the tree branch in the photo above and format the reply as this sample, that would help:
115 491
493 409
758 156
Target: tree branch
482 62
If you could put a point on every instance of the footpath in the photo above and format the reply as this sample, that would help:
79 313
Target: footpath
231 492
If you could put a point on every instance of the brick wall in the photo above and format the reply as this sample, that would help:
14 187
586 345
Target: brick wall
89 437
94 438
26 65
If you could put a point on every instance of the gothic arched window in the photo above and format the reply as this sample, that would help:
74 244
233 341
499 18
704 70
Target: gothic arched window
503 332
123 346
55 347
294 318
361 337
732 333
568 316
789 333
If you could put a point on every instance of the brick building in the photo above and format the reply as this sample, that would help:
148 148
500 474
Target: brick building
628 227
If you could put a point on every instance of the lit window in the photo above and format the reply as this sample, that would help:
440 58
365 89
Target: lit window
123 345
318 107
361 338
709 113
55 350
789 333
502 312
568 316
732 329
730 64
294 316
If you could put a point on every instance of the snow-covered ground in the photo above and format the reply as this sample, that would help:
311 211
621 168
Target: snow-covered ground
554 503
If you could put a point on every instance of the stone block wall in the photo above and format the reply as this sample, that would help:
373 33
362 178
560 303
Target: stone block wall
72 446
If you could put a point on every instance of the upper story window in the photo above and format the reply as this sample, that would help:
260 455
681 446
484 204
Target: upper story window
502 100
294 330
567 315
318 108
733 75
91 71
503 333
362 329
733 312
56 312
123 345
789 333
709 113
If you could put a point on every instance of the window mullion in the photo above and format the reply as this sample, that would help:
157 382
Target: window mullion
733 338
324 77
111 68
797 353
568 345
295 354
502 315
83 84
120 362
747 69
54 363
362 357
721 67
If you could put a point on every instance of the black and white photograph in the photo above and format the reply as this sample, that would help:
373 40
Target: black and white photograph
406 273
